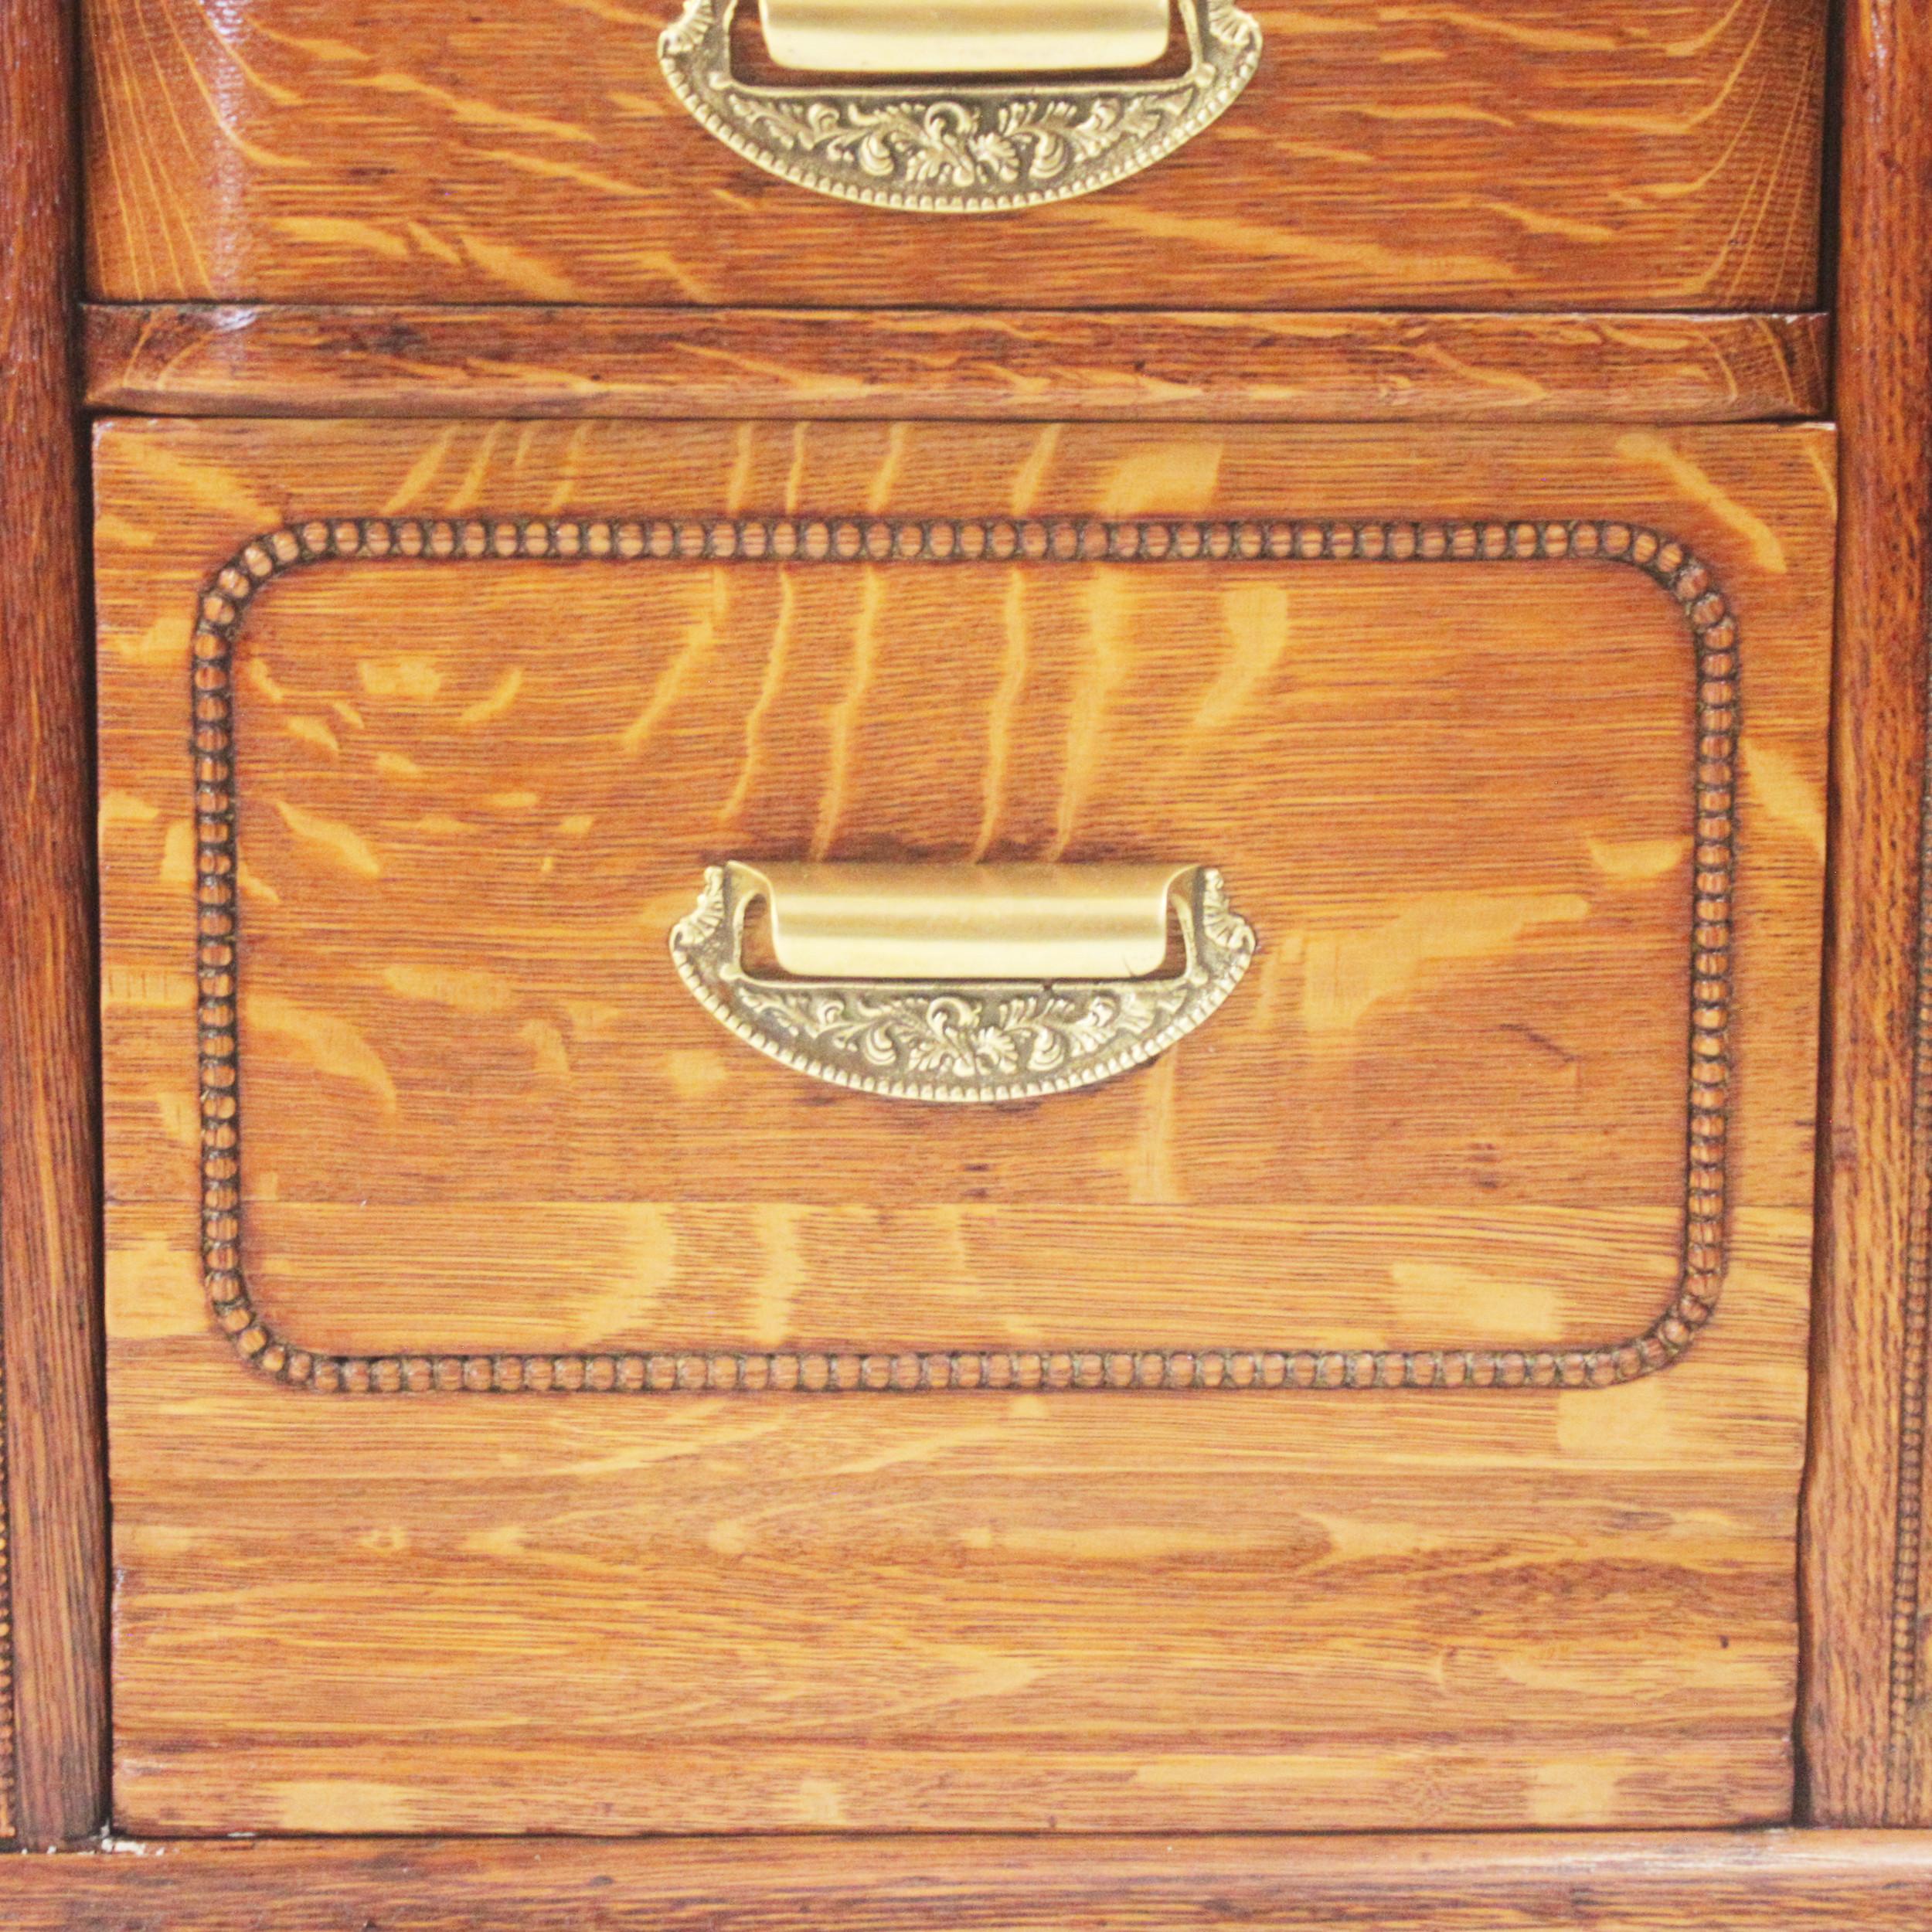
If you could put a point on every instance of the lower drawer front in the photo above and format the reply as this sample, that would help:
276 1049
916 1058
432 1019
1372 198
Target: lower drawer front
534 1407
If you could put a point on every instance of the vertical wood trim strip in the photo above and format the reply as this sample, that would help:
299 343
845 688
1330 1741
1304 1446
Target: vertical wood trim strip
49 1142
9 1809
1864 1701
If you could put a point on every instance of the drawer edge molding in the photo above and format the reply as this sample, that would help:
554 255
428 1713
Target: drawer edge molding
1778 1880
861 540
1004 365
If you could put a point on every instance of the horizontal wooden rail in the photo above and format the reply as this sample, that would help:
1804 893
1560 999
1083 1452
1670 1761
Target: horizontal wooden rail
194 359
1743 1881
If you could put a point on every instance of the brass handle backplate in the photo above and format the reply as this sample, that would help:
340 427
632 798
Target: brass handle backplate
960 145
964 983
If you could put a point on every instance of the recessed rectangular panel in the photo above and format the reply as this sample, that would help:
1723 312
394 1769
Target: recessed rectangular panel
1236 1438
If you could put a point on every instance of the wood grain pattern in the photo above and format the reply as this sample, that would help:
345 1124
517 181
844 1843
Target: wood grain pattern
215 360
1502 156
52 1582
1136 1613
1671 1882
1247 549
1868 1716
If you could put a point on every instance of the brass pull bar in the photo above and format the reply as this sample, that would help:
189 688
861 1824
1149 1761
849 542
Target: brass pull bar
963 983
964 36
1040 99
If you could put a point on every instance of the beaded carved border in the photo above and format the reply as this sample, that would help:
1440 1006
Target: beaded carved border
1911 1581
833 542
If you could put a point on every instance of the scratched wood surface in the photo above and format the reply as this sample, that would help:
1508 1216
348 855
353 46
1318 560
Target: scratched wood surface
225 359
1447 1108
1516 155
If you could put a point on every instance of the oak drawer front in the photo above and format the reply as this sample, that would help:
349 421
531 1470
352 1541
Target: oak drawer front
1505 156
1354 1415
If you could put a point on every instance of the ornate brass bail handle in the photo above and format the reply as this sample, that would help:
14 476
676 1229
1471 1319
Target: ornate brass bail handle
1058 984
963 146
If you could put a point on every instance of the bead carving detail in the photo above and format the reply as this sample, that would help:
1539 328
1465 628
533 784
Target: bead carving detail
835 542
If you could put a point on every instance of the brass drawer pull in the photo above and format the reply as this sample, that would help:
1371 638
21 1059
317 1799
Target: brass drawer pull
964 36
1076 117
964 982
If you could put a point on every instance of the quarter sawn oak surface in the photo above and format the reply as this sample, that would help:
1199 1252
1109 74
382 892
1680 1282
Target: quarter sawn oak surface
477 1112
1866 1732
1545 1882
214 359
1512 154
1235 1576
53 1563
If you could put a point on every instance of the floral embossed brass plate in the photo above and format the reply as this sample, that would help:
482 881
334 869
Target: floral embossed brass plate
960 147
969 1036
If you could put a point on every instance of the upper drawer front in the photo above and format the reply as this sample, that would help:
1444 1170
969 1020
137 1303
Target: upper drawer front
1518 154
1385 1407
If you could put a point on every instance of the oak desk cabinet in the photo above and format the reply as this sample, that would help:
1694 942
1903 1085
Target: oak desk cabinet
965 964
